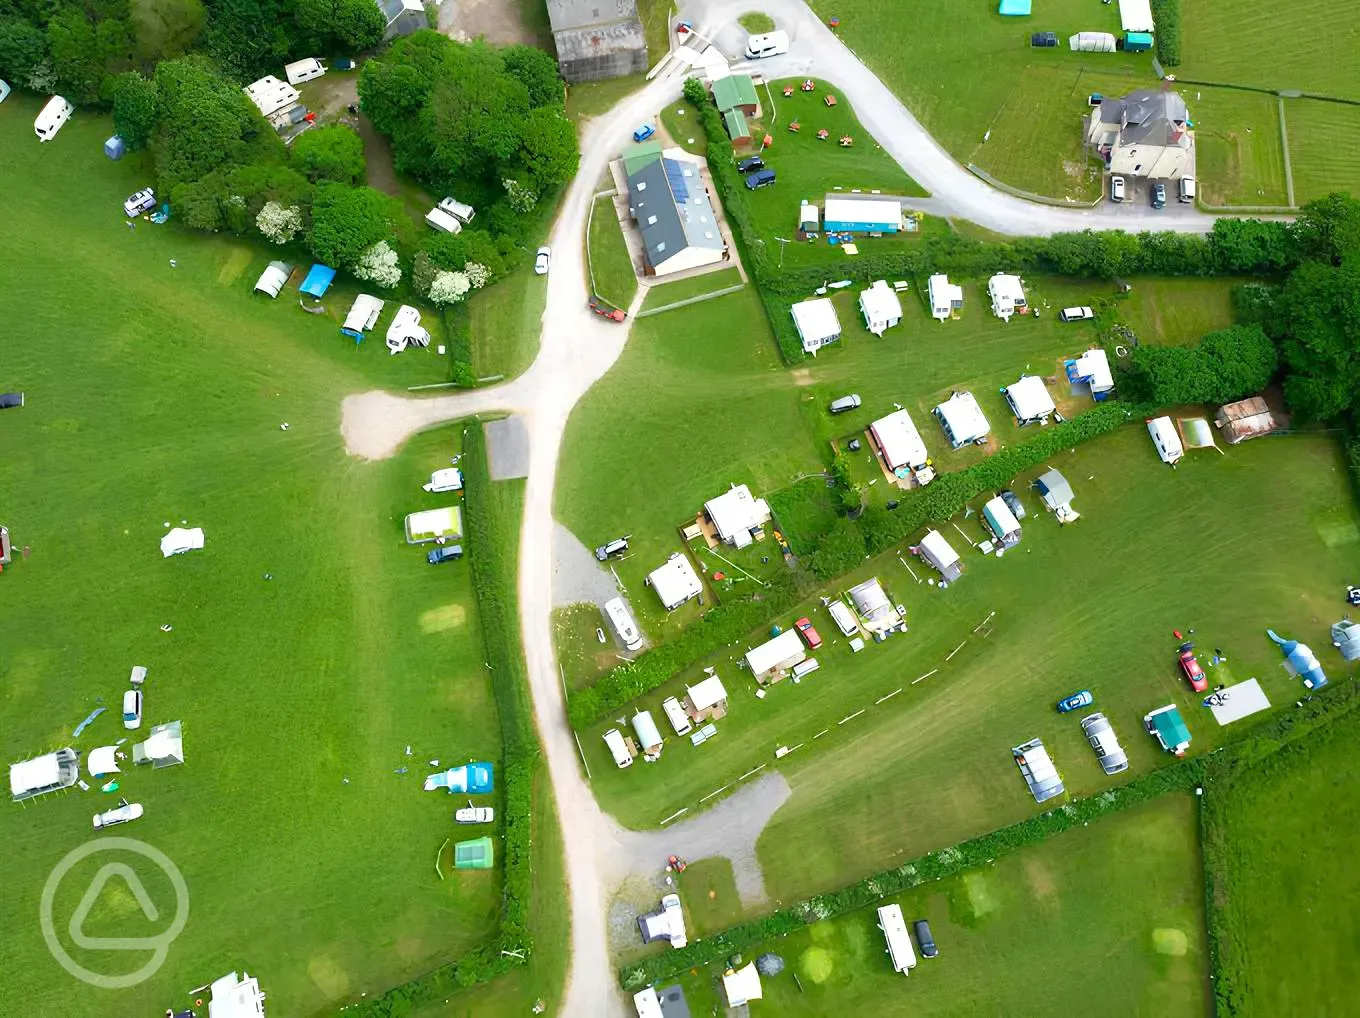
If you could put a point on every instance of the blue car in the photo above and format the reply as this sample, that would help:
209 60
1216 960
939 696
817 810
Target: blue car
644 132
1076 701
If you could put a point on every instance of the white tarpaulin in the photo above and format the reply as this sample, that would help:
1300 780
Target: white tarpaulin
1135 15
180 540
103 760
1239 701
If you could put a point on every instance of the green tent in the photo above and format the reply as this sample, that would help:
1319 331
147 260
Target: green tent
1170 729
477 854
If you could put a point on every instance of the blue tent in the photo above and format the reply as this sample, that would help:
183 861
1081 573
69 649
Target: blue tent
1015 8
1302 660
114 148
318 281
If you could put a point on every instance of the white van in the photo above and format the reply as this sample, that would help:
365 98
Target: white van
676 715
1187 189
303 70
844 618
622 620
442 221
771 44
53 115
618 748
460 211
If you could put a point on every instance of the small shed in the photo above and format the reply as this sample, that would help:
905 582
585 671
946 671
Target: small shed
1346 638
962 419
999 519
164 746
478 854
774 656
114 148
945 297
741 986
1166 439
318 281
737 91
941 556
272 278
1056 494
737 127
675 582
363 315
707 698
880 307
648 735
816 323
862 215
1029 400
433 524
1247 418
809 219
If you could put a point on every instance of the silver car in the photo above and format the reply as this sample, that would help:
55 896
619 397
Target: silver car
1100 734
142 201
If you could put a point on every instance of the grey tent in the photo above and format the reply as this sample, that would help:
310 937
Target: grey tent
1346 638
164 747
1053 489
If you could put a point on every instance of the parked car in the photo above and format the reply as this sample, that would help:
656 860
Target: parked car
1043 40
1075 701
924 940
1194 674
750 164
1159 196
810 636
541 260
444 553
615 547
1081 314
845 403
132 709
471 814
1100 734
1117 189
120 814
143 201
644 132
1013 503
760 178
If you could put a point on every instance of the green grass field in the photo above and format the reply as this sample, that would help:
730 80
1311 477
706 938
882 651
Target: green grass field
610 266
310 645
709 893
506 320
1102 919
695 286
1287 910
1324 147
1178 312
1239 158
681 121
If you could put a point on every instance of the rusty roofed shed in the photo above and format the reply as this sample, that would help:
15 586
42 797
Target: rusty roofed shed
1247 418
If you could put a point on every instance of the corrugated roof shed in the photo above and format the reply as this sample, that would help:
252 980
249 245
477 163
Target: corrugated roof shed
735 122
735 90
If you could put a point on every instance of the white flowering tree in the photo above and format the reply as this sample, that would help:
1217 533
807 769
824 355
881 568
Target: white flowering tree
478 274
379 264
522 199
449 288
279 224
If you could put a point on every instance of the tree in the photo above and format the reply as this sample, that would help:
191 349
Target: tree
475 113
136 109
695 92
548 147
249 36
1318 324
449 288
380 265
538 73
278 223
522 199
165 28
395 87
343 24
205 121
839 551
86 51
348 220
23 48
1252 246
1225 366
334 152
201 203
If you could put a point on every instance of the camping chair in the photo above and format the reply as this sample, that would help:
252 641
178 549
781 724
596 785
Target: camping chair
795 127
830 99
788 91
846 141
823 135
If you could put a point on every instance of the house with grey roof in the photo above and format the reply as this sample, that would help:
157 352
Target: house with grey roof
668 201
597 39
403 17
1144 134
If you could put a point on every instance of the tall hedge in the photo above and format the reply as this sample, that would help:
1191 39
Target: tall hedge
1225 365
1166 14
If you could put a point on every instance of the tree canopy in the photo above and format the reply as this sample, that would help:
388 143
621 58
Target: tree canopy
346 221
334 152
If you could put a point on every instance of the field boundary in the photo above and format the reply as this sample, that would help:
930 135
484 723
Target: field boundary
1018 192
734 288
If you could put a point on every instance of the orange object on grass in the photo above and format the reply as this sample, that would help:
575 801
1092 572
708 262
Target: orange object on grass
795 126
830 100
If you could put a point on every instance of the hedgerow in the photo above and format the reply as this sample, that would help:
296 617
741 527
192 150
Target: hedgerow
1166 14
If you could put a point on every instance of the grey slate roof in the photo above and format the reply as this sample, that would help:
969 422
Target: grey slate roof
672 209
567 14
1154 117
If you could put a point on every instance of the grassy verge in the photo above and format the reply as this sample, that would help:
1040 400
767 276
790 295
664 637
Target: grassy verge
756 23
681 120
610 266
696 286
505 322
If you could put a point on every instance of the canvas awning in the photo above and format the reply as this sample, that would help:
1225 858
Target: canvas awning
1029 399
272 278
180 540
784 651
649 736
962 418
675 582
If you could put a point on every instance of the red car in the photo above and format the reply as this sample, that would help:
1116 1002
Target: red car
1194 674
804 626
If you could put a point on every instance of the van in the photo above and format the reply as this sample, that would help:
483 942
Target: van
53 115
760 178
442 221
676 715
132 709
618 748
303 70
463 213
843 617
1187 189
622 620
1100 735
844 404
771 44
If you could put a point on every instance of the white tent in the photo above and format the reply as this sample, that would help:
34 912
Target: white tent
101 761
742 985
180 540
876 612
363 315
901 446
707 694
406 330
164 747
809 217
432 524
1029 400
675 582
880 307
816 322
1001 521
233 997
1135 15
945 297
784 651
272 278
1091 42
736 514
962 419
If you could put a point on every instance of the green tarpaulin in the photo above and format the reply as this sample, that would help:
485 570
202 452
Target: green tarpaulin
474 855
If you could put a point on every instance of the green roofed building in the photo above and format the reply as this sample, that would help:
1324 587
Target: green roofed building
478 854
737 127
736 91
635 157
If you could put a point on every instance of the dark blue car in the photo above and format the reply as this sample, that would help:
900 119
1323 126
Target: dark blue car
444 553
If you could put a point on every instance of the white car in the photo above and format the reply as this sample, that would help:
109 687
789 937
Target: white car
1116 189
132 709
142 201
471 814
1079 314
120 814
541 260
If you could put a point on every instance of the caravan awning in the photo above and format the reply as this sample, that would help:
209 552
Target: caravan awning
318 281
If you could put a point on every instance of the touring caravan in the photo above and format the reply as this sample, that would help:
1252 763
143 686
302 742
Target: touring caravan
894 929
618 748
303 70
442 221
1166 439
51 118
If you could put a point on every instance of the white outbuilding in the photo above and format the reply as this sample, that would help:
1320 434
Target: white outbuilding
1166 438
816 322
945 297
1029 400
272 278
773 656
880 307
962 419
900 445
675 582
738 517
1008 295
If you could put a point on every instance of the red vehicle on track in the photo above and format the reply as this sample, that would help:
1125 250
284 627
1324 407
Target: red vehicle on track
1194 674
810 636
605 311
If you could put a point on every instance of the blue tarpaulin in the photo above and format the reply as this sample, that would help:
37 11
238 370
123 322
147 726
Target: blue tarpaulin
1302 660
1014 8
318 281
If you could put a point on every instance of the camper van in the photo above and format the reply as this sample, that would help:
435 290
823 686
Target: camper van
1187 189
463 213
303 70
443 221
771 44
622 620
618 748
53 116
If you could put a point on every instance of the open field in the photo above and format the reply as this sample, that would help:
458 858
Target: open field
1239 158
1324 147
1074 922
709 893
1287 912
310 645
610 266
1178 312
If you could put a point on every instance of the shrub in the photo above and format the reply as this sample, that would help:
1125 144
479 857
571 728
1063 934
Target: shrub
839 551
380 265
1226 365
279 224
1167 15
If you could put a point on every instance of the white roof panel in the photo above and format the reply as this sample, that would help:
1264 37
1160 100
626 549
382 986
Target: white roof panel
882 211
786 647
899 440
963 417
707 694
816 319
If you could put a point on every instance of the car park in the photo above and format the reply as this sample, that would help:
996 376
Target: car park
1075 702
750 164
143 201
758 179
541 260
1117 189
120 814
924 940
808 632
132 709
444 553
644 132
1159 196
471 814
1100 734
1078 314
1194 673
615 547
844 404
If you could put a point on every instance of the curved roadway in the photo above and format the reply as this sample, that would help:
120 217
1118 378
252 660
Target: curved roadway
577 348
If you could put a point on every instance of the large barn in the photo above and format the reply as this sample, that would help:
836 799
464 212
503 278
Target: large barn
597 39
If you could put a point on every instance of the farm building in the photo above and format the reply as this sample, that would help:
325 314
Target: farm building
1135 16
998 518
1056 495
945 297
1247 418
876 613
1346 638
1166 438
432 524
900 446
648 735
862 215
675 582
776 655
1038 770
707 699
668 201
738 517
1144 134
363 315
318 281
272 278
1008 296
1093 370
57 770
235 996
1029 400
809 220
880 307
736 92
816 322
941 556
738 127
597 40
962 419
